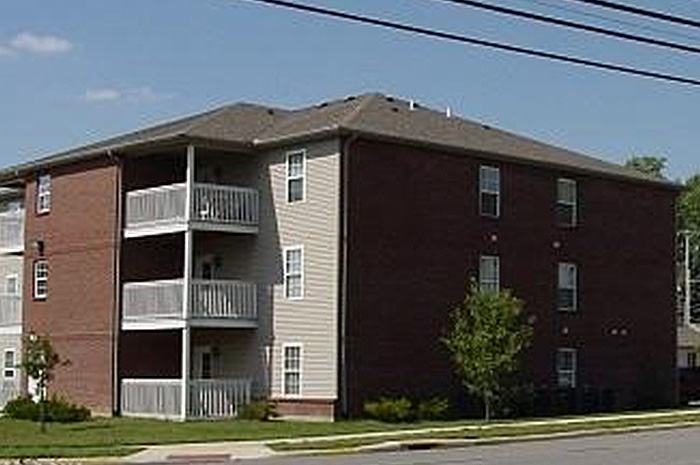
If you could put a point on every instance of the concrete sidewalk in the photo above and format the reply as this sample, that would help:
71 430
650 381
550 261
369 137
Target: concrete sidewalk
213 452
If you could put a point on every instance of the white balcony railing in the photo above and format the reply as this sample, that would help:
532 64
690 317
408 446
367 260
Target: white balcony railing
151 397
161 398
212 204
210 299
12 230
10 313
212 398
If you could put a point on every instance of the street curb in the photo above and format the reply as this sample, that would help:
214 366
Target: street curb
427 443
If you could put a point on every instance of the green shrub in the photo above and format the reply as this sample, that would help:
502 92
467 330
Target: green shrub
390 410
433 409
56 410
22 408
262 411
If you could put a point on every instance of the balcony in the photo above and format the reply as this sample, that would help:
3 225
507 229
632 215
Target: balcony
163 209
214 303
162 398
12 231
10 312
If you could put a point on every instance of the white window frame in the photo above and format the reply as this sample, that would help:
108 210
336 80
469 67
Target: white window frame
43 194
299 371
573 203
562 271
8 278
287 274
570 374
12 370
297 177
486 190
691 359
40 279
488 283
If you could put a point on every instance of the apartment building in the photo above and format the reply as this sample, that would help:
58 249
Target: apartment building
312 256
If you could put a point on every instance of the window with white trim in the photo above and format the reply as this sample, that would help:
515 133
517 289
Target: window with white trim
11 284
489 191
566 368
567 284
489 273
294 272
296 173
566 202
41 279
43 194
691 359
291 370
9 364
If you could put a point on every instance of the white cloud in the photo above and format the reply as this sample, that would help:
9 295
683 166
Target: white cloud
6 51
45 44
140 94
102 95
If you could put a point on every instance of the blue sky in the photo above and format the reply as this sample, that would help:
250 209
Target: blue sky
74 72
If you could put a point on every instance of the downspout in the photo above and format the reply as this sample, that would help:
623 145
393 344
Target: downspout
116 301
343 275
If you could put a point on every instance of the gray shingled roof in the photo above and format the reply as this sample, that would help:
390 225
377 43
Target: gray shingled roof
375 115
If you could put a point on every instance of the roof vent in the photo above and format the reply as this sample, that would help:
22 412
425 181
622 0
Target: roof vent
395 109
448 112
412 105
390 99
350 98
270 111
485 126
323 105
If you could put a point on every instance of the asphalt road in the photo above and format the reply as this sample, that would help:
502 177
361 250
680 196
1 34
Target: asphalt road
670 447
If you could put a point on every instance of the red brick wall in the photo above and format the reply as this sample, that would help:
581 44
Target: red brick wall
78 235
415 236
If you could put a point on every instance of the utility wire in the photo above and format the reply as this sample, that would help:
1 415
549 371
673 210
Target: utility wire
620 22
483 43
574 25
642 12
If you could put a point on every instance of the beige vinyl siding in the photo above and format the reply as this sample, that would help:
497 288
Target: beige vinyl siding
9 388
311 223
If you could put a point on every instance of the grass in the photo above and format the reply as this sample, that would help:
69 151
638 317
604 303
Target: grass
121 436
495 430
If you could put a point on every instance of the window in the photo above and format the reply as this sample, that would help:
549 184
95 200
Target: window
296 170
294 272
11 284
41 279
489 191
43 194
9 364
566 298
691 360
566 368
489 273
566 202
291 370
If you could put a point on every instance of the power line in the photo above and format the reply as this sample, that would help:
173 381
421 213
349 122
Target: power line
480 42
642 12
574 25
620 22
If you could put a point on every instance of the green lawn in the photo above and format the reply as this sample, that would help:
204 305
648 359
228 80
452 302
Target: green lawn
115 436
121 436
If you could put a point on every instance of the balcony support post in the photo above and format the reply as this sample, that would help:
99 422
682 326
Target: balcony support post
187 285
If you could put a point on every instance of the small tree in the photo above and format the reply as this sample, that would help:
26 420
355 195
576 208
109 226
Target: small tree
39 360
486 337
